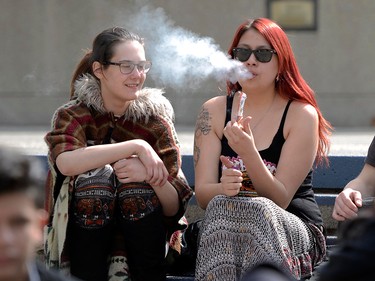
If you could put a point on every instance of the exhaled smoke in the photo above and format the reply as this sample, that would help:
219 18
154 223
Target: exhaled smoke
181 58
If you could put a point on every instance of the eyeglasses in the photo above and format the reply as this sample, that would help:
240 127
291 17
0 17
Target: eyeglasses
127 67
262 55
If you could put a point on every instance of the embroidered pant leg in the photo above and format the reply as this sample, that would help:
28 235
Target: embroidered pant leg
91 225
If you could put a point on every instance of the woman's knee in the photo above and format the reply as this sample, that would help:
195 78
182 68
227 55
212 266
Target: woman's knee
94 198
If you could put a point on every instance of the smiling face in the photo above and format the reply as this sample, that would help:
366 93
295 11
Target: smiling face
20 234
264 74
118 88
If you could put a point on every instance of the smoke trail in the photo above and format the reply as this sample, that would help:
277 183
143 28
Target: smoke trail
180 57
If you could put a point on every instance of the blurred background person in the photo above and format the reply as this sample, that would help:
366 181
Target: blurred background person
352 258
22 217
359 191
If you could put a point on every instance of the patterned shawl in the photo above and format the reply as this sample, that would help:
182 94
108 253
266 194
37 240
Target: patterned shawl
83 122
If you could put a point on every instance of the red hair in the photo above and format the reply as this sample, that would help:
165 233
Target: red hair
290 84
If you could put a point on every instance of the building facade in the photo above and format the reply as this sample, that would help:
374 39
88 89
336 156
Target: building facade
42 41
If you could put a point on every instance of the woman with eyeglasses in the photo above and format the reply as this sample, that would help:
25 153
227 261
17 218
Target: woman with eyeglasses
253 165
116 190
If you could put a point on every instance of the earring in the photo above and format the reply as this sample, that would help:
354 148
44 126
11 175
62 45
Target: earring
277 78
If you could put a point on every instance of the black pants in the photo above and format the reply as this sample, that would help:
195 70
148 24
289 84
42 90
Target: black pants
144 243
145 246
88 252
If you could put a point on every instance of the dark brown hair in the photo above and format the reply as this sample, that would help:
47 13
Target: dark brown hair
102 51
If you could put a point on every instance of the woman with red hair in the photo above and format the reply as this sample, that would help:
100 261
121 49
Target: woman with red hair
254 153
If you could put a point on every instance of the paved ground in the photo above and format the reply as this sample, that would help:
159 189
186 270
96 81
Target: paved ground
345 141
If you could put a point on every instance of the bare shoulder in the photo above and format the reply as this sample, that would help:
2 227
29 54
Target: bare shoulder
303 111
301 116
212 114
215 104
215 107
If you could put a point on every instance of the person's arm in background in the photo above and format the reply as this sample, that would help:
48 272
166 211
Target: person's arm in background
350 199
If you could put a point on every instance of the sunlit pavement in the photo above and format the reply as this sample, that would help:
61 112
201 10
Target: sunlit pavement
345 141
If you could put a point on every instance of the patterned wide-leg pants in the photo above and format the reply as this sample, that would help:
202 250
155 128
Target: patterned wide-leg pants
239 233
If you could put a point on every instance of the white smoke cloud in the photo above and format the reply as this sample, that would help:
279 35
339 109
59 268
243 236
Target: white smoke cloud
180 57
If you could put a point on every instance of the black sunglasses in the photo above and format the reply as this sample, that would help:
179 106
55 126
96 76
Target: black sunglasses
262 55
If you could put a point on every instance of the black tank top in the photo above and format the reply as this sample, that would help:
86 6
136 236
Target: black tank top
303 203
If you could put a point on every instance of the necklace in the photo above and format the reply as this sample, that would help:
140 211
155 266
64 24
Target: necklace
265 113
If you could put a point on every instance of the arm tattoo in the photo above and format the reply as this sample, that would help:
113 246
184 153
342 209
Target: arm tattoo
203 122
202 128
197 152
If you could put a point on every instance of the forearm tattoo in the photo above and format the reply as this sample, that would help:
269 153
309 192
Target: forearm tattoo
202 128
